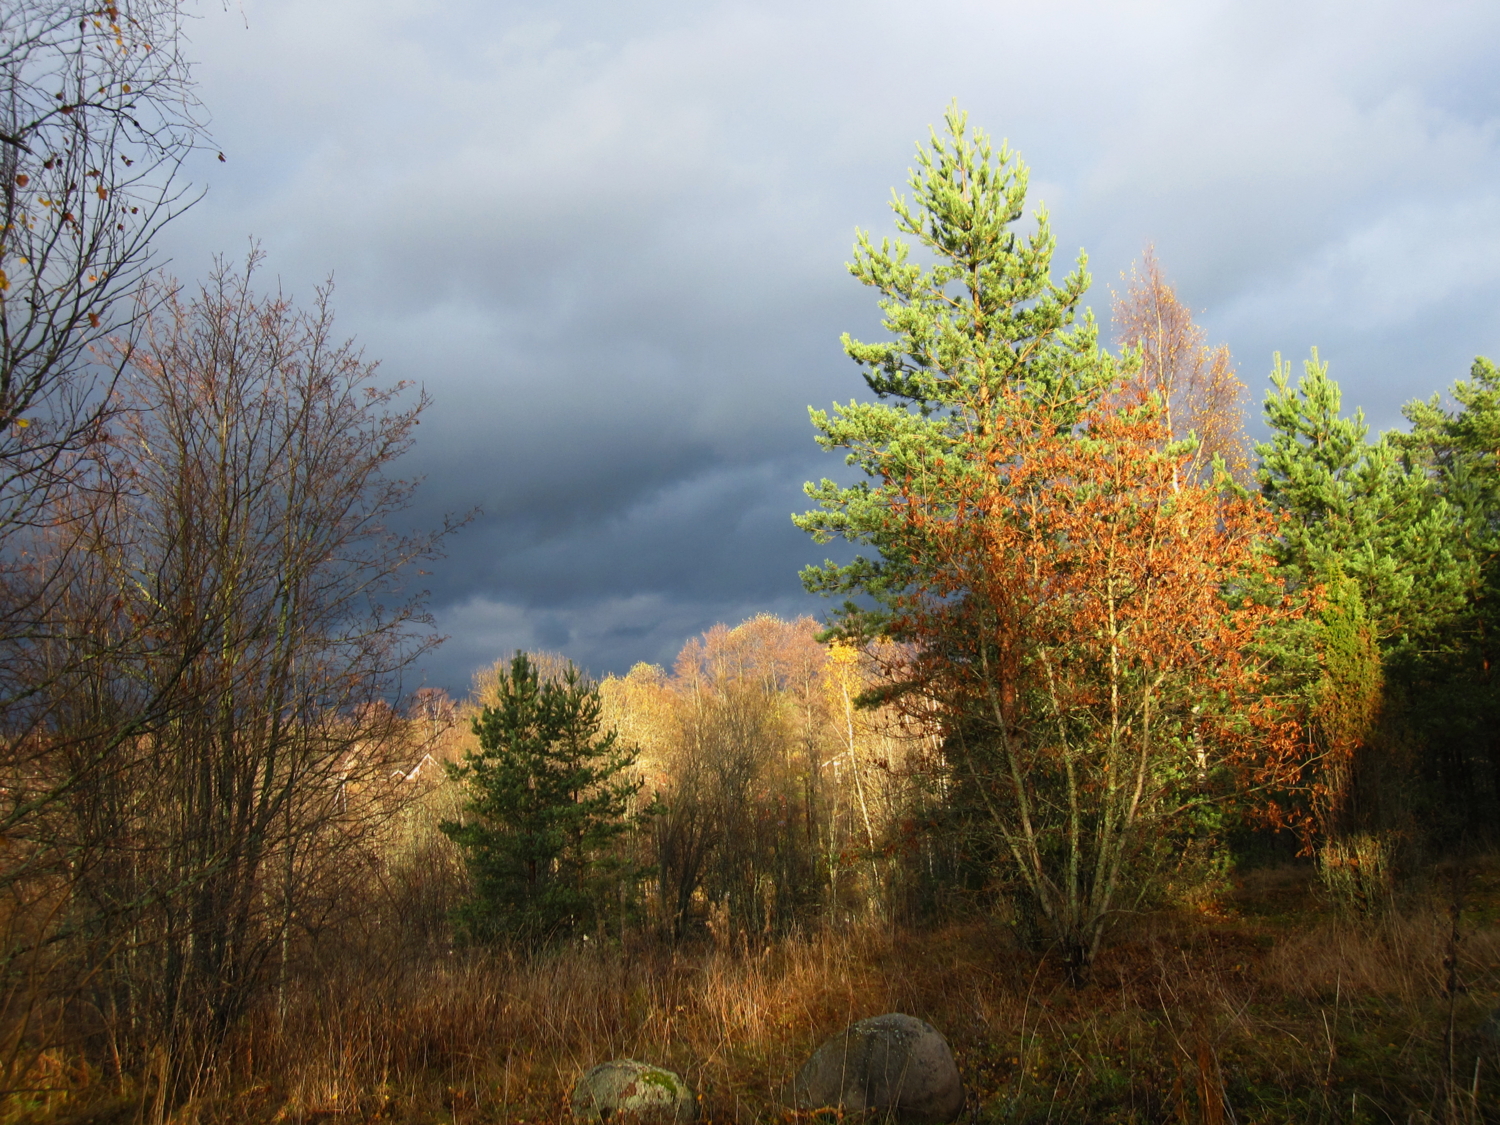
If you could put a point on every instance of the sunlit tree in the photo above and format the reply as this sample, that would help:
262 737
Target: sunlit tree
547 797
1200 393
1085 632
981 328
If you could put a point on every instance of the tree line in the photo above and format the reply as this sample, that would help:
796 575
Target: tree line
1123 640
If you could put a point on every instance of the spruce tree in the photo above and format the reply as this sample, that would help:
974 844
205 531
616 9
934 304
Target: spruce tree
546 799
982 315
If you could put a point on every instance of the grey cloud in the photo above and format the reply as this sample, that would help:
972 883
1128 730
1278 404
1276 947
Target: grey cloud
609 238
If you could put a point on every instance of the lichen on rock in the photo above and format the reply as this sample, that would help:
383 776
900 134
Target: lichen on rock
628 1092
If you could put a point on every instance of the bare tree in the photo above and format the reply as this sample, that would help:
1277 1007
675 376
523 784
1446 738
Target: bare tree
96 117
247 545
1200 392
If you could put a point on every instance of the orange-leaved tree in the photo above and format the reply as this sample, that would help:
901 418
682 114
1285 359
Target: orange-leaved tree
1088 624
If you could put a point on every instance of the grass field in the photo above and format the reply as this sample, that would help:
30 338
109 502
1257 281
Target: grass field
1270 1007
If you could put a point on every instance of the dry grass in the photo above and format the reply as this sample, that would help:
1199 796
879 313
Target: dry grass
1272 1010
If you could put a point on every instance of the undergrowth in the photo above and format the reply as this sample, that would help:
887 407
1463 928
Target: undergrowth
1272 1008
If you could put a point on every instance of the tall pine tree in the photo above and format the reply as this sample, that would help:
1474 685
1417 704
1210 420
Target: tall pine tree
1357 507
547 797
1056 573
1368 533
983 316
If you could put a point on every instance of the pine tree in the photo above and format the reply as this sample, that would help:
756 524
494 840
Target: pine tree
1058 577
984 316
1357 508
1370 538
1453 686
547 798
1346 699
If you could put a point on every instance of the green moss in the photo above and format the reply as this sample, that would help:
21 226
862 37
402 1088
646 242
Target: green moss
654 1077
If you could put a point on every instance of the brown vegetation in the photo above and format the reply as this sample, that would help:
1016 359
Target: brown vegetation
1248 1016
1257 999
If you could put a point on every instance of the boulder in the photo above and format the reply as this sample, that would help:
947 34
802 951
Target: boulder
632 1092
893 1064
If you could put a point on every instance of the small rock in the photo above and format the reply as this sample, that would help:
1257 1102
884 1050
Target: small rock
892 1063
635 1092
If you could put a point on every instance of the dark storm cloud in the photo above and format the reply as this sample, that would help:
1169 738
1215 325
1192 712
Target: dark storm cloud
608 238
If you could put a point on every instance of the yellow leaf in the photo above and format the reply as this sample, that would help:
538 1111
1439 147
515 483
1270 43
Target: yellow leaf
22 422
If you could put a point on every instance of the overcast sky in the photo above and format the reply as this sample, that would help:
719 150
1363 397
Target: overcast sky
609 238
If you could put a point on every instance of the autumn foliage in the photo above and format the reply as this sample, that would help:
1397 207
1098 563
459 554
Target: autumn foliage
1087 625
1199 391
1078 663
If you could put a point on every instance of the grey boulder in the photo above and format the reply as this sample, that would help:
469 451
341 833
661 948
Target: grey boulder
896 1065
632 1092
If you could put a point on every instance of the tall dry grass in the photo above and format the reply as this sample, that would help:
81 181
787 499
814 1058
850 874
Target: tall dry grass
1244 1017
1276 1007
1189 1018
501 1038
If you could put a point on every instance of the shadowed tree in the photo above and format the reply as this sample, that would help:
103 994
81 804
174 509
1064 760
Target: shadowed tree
247 549
97 113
